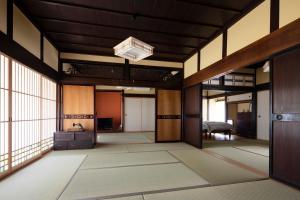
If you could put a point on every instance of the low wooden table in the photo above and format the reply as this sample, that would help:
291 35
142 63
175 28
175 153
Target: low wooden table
67 140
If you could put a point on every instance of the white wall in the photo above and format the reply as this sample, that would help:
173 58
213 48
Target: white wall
289 11
191 66
25 33
250 28
212 52
3 16
50 55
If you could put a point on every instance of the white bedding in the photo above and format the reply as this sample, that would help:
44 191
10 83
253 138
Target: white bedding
216 126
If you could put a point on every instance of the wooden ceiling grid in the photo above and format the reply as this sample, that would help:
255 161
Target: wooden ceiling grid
176 28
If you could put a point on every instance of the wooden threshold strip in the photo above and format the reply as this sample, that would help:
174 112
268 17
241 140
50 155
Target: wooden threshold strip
236 163
280 40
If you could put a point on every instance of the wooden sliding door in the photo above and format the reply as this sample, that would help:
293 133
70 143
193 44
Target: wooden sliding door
168 116
78 106
285 156
192 119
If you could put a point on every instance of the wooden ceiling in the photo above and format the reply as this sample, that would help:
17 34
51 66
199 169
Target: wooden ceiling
176 28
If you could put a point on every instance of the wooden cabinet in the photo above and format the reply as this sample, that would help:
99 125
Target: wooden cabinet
73 140
245 127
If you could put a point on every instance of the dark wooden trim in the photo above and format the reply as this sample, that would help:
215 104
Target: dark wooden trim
227 94
254 112
224 44
240 73
271 121
172 34
19 53
193 115
73 61
100 90
168 116
274 23
126 72
201 115
9 20
209 5
266 47
115 82
182 115
139 15
250 7
226 108
198 61
156 109
80 44
42 47
95 117
78 116
140 95
96 52
117 39
58 107
264 86
123 110
228 88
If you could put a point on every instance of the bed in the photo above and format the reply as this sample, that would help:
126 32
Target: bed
217 127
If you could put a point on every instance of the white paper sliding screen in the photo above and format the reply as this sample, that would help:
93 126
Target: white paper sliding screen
4 114
48 113
27 114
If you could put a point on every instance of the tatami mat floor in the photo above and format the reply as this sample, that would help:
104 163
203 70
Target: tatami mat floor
129 166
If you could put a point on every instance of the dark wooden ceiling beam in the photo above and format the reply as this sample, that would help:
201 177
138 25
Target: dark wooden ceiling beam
119 39
52 19
116 82
133 15
169 58
210 5
62 43
278 41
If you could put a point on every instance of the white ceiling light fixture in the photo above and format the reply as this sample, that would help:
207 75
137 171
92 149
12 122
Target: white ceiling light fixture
133 49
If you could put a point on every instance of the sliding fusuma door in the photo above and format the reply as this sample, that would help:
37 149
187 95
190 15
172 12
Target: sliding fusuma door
168 116
78 107
285 156
192 119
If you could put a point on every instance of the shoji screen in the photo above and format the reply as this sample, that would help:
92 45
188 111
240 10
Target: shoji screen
26 113
4 119
48 112
33 113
